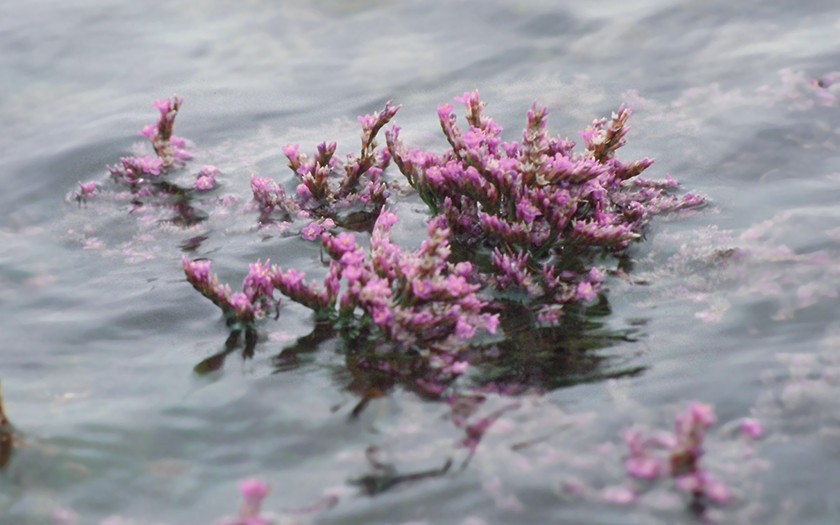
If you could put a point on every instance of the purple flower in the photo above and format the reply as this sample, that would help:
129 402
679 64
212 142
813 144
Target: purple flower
423 288
86 189
198 271
163 105
311 231
149 131
205 182
702 413
240 302
291 150
253 490
303 192
752 428
585 292
464 329
459 367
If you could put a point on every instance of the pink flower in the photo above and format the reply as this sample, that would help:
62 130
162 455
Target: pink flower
643 467
464 329
702 413
444 111
292 278
311 231
240 302
198 271
303 192
491 322
87 189
585 291
163 105
459 367
422 288
149 131
253 490
382 316
367 121
291 150
205 182
208 171
752 428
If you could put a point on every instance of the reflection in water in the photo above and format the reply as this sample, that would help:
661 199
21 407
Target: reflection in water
386 477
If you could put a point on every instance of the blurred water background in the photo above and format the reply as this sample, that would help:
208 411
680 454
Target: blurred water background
735 305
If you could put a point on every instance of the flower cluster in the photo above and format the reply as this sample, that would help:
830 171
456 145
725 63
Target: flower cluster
538 205
412 299
169 149
328 188
170 152
86 189
252 303
678 454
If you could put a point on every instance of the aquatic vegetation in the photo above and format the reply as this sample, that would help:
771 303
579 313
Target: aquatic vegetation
86 189
351 192
509 274
169 149
678 455
410 300
542 210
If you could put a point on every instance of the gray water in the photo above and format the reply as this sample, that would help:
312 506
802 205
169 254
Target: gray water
100 332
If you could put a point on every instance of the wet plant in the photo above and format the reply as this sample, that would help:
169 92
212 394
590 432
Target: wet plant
147 177
678 455
503 295
541 212
350 192
413 303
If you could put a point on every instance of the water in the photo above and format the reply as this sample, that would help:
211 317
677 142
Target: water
734 305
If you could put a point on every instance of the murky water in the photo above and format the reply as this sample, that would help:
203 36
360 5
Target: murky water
735 304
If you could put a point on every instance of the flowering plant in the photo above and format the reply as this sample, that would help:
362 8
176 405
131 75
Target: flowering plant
538 206
170 151
351 192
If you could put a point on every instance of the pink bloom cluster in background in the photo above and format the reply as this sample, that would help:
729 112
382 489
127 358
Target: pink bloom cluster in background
86 189
170 152
677 454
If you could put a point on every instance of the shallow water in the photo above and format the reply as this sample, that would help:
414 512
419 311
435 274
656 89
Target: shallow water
101 332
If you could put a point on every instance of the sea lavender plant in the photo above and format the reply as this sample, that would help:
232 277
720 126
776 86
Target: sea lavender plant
404 300
170 151
542 209
677 455
86 189
349 192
